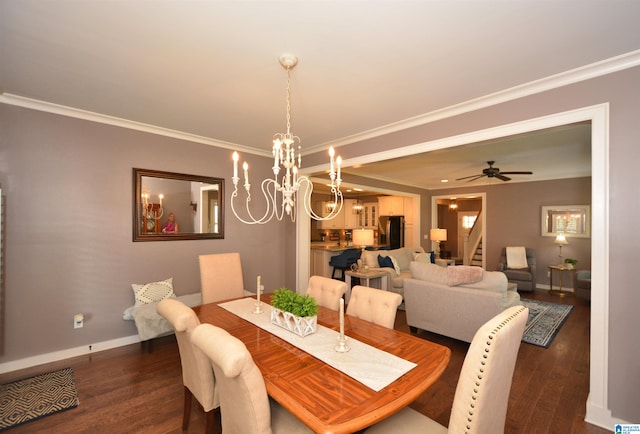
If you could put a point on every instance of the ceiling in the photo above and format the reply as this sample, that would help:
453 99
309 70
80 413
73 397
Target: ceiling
208 70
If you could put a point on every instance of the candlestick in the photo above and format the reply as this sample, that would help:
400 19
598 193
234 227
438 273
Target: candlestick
258 308
245 167
235 164
341 319
342 346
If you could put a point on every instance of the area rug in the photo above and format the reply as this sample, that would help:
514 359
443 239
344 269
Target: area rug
545 320
35 397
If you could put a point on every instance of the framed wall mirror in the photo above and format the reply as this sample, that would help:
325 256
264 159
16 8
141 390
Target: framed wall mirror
174 206
573 220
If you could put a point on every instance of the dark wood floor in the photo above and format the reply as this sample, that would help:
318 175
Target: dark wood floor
127 390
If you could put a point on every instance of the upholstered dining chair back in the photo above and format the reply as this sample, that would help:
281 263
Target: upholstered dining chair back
244 404
374 305
221 277
327 292
197 374
482 393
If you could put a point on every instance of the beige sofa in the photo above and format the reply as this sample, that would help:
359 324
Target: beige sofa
403 258
455 301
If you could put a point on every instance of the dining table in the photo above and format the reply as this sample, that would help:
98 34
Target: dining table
322 397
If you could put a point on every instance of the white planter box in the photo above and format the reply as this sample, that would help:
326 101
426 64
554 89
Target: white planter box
295 324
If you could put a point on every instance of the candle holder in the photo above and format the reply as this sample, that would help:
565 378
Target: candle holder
342 346
258 304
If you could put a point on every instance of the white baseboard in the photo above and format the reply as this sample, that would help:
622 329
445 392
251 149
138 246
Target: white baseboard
602 417
66 354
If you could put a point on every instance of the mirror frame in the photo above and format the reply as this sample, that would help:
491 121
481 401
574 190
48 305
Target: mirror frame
584 220
137 205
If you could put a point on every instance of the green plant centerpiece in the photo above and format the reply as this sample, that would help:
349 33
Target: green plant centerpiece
294 312
570 262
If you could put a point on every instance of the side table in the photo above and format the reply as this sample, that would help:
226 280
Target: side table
560 269
365 277
445 262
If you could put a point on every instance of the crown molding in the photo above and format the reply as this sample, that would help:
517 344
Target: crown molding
598 69
62 110
583 73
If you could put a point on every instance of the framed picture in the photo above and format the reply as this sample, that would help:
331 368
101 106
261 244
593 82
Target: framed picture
572 220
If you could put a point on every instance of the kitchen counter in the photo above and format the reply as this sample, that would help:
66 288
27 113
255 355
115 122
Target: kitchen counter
321 254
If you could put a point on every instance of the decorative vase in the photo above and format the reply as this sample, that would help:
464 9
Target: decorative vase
301 326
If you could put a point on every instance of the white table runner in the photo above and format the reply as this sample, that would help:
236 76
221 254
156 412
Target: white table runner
370 366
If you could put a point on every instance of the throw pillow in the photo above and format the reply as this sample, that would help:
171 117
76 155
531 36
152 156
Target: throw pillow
385 261
153 292
396 265
463 274
425 257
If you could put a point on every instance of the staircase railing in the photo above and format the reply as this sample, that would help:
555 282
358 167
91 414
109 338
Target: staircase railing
472 240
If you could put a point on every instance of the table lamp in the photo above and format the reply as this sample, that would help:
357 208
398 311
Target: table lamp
362 238
561 240
438 235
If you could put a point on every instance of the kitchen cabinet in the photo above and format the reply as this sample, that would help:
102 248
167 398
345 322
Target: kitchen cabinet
369 216
335 223
391 205
351 220
397 205
320 258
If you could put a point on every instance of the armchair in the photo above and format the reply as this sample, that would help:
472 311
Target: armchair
583 284
525 278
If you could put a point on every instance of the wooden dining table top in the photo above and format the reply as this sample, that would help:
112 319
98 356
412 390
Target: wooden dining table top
322 397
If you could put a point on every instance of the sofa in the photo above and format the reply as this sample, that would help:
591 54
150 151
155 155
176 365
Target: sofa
455 301
399 271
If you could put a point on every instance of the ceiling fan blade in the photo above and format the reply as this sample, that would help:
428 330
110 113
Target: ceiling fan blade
472 176
516 173
502 177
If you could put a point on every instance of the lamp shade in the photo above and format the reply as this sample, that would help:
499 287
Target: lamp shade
561 239
362 237
438 234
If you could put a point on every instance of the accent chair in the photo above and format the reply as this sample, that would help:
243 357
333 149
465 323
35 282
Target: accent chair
327 292
245 406
374 305
525 278
197 374
482 394
221 277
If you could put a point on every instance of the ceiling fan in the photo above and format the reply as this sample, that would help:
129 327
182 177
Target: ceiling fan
494 172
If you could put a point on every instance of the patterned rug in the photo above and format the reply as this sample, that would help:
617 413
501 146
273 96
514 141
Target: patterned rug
545 320
32 398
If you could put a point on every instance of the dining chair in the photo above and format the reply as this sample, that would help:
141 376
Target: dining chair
327 292
482 393
197 374
221 277
245 406
374 305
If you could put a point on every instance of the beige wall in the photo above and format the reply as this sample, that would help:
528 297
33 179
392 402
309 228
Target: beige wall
513 217
67 192
621 92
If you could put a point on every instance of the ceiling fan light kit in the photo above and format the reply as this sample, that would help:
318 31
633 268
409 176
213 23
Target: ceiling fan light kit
494 172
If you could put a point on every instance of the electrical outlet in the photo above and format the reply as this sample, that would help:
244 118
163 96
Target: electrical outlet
548 273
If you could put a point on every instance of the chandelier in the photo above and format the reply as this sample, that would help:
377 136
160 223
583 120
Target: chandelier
281 194
151 214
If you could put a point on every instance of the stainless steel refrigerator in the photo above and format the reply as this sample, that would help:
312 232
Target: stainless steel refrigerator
391 231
